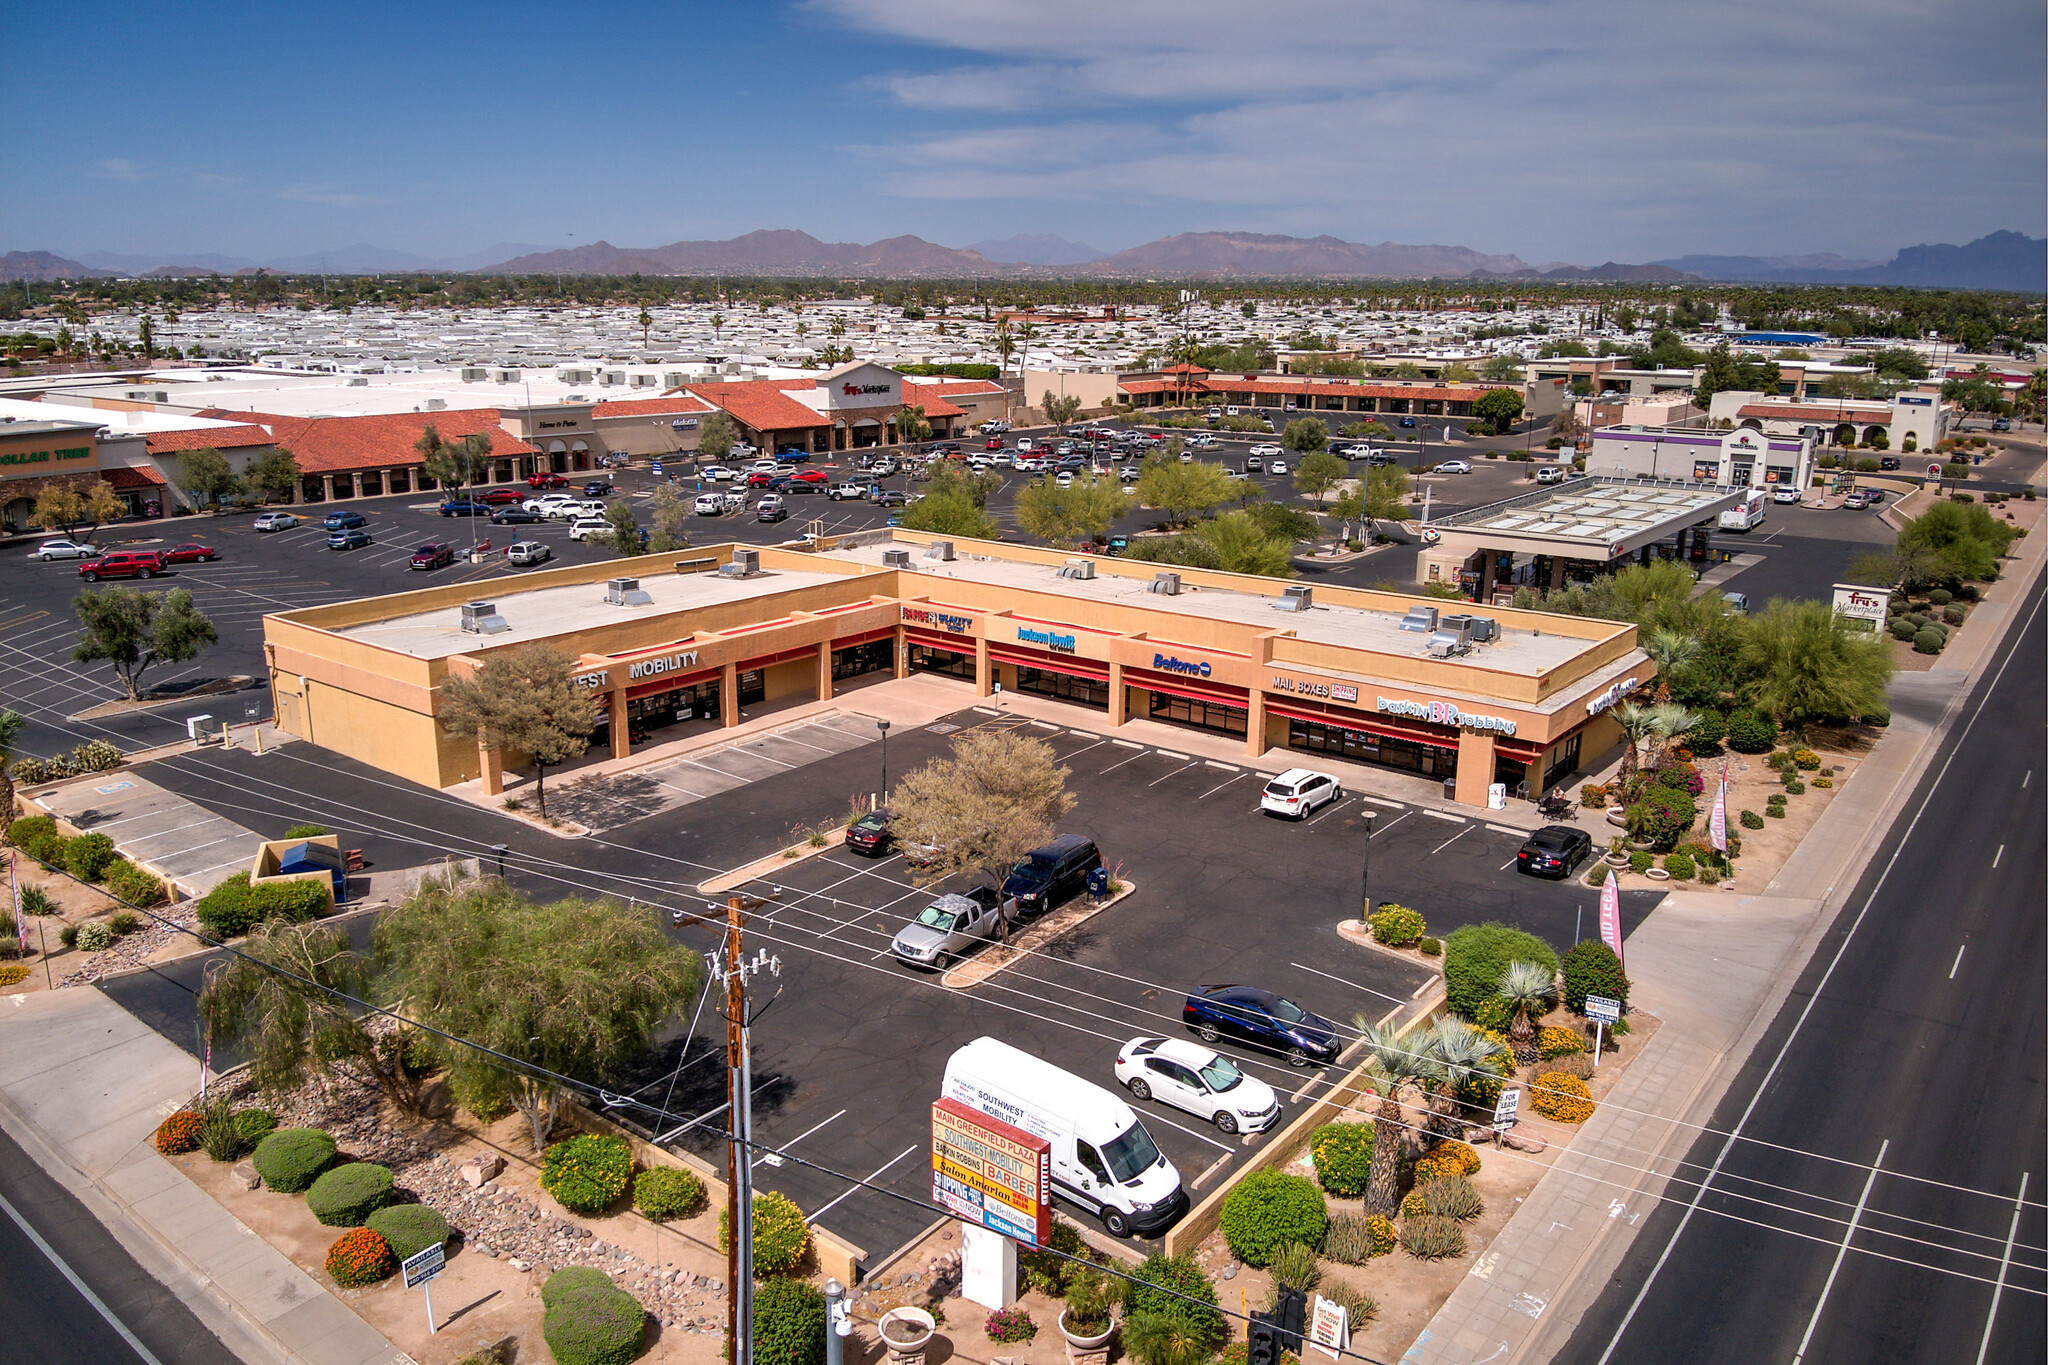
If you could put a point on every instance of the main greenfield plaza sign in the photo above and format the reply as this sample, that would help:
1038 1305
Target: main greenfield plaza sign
988 1173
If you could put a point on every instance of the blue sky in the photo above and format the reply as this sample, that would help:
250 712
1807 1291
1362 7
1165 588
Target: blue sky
1555 129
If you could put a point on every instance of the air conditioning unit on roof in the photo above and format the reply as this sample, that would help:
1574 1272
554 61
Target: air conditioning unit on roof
896 559
1420 619
626 592
481 618
1294 597
1078 568
1166 584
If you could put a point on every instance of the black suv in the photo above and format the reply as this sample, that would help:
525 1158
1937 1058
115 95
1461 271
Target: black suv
1051 874
1554 851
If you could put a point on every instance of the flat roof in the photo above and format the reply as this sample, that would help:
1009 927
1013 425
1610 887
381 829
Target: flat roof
1597 514
551 612
1324 622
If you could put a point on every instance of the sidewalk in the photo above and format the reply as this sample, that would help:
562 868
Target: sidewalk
83 1085
1716 970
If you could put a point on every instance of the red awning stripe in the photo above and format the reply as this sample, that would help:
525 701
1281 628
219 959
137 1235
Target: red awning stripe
770 660
1176 689
952 644
1348 721
848 641
1187 687
1051 663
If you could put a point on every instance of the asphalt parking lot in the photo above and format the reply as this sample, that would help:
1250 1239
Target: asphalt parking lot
850 1048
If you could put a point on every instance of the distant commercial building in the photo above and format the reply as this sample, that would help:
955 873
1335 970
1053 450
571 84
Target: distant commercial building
1918 414
1742 458
1307 395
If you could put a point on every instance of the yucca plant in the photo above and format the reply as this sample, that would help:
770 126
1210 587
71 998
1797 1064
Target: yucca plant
1432 1237
1165 1339
1295 1266
1526 989
1452 1196
221 1137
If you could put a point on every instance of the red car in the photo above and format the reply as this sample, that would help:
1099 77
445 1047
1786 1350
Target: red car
546 481
817 476
191 552
992 443
122 564
498 497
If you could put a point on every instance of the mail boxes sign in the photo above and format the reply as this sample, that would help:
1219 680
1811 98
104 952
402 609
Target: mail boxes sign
990 1174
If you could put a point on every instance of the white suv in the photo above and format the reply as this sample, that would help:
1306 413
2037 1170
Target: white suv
1298 792
583 528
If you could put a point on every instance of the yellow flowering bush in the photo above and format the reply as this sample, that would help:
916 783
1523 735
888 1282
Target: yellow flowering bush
1562 1097
587 1173
1553 1042
1384 1234
1447 1158
1413 1204
1807 759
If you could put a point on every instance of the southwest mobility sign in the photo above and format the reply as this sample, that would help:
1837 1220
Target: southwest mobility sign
1051 639
986 1172
1445 713
1166 663
645 668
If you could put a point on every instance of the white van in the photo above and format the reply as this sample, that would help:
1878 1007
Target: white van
1745 514
1102 1158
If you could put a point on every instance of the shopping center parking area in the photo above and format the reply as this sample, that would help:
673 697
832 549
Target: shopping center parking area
849 1045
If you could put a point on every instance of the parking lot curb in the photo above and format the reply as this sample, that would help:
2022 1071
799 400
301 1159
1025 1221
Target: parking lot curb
1355 931
788 857
1001 956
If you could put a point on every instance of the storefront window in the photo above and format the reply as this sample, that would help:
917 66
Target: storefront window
753 686
1564 761
1777 475
1369 748
1064 686
1204 715
876 656
696 702
927 660
1706 471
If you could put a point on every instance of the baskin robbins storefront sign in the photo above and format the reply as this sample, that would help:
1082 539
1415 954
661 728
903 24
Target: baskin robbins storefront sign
1166 663
1049 639
1444 713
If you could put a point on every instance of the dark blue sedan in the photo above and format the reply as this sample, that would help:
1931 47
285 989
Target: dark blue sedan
343 521
462 507
1263 1019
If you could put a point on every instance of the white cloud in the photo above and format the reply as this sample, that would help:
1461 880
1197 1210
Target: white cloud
322 194
121 168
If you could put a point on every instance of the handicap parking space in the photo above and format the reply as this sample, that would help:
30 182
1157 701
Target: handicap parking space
192 845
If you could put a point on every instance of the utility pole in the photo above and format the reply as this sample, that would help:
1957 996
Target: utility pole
733 970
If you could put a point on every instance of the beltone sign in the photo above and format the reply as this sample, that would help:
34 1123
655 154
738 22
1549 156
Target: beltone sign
1166 663
1445 713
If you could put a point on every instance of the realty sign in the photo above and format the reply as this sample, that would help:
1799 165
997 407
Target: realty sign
423 1266
1506 1109
1601 1010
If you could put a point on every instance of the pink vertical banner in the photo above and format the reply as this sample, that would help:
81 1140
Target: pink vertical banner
1717 824
1610 914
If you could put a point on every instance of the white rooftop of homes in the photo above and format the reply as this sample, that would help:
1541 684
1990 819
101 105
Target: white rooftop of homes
1597 511
1325 622
547 612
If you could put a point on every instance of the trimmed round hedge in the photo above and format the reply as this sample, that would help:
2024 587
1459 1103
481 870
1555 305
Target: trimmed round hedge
1591 968
663 1192
789 1323
1269 1209
347 1195
1181 1275
291 1159
1476 956
1396 925
588 1320
1563 1097
781 1237
586 1174
410 1228
254 1125
1750 732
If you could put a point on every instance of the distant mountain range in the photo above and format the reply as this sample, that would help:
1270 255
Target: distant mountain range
2002 260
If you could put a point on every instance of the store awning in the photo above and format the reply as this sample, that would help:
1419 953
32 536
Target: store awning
1347 720
1051 663
784 656
865 637
1192 688
931 639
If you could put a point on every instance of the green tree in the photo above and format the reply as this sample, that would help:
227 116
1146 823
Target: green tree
206 475
1305 434
1501 369
1382 496
716 436
1061 516
622 535
1060 409
1637 723
455 464
1242 546
58 508
1811 664
1182 491
1899 363
274 475
135 631
669 515
646 321
949 514
523 700
103 504
1318 472
1283 523
912 425
1500 407
575 987
1967 538
981 810
1374 430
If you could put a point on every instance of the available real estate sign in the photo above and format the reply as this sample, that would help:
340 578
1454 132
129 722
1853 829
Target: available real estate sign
988 1173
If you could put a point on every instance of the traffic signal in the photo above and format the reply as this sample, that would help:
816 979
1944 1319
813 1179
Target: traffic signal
1262 1342
1290 1317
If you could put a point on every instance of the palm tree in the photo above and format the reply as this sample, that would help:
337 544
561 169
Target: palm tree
1670 651
10 730
1527 989
717 325
1669 721
1635 722
646 321
1005 346
1460 1049
1401 1071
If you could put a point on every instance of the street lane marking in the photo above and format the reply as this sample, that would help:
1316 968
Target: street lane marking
1996 856
1452 840
1998 1291
1840 1253
1958 962
84 1291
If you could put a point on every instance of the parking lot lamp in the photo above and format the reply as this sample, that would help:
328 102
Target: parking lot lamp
883 726
1365 871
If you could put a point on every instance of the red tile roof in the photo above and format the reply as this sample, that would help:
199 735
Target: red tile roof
1302 388
1829 414
761 405
202 438
131 476
327 445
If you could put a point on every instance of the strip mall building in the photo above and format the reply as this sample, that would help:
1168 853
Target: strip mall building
724 634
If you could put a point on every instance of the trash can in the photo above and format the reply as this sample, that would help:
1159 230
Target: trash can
1098 883
1450 788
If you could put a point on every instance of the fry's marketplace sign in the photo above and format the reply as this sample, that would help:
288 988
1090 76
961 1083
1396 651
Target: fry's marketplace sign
1444 713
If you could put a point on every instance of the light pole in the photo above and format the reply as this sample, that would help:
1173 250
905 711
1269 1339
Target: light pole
1365 870
883 726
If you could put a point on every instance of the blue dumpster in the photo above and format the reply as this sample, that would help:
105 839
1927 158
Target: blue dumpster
312 857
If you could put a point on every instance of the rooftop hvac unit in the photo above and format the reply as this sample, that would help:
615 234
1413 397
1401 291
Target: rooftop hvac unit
612 377
1294 597
1420 619
674 379
481 618
1458 621
1446 643
645 381
437 405
896 559
1078 568
1485 630
941 550
626 592
506 376
576 398
474 374
1165 583
358 382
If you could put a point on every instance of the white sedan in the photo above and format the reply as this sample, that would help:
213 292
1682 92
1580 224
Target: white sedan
1455 467
1266 449
65 549
554 505
1192 1077
1276 466
717 473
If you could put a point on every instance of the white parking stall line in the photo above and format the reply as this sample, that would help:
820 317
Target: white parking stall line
1153 1113
1082 750
872 1177
1452 840
1085 734
1127 744
1395 821
1175 773
1444 815
1382 801
1218 787
1168 753
1043 725
1353 984
225 838
1334 805
1120 763
1508 829
1226 767
206 818
775 1157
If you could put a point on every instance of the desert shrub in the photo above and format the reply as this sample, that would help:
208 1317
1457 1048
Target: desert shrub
1776 810
1396 925
130 883
1553 1042
1795 787
1431 1237
1593 796
1706 737
1806 760
1951 616
305 831
94 937
29 829
1709 875
1578 1064
86 856
179 1133
36 901
1751 820
1902 629
1294 1266
482 1101
1662 815
409 1228
221 1137
291 1159
1681 777
1010 1325
1412 1205
359 1257
1476 955
1591 968
1181 1275
1941 597
68 936
1929 641
1429 947
346 1195
1352 1241
1045 1272
124 921
1269 1209
1451 1196
1639 862
1562 1097
1360 1307
588 1320
663 1192
95 756
1750 732
1680 866
587 1173
1449 1157
234 906
781 1237
1342 1153
254 1125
